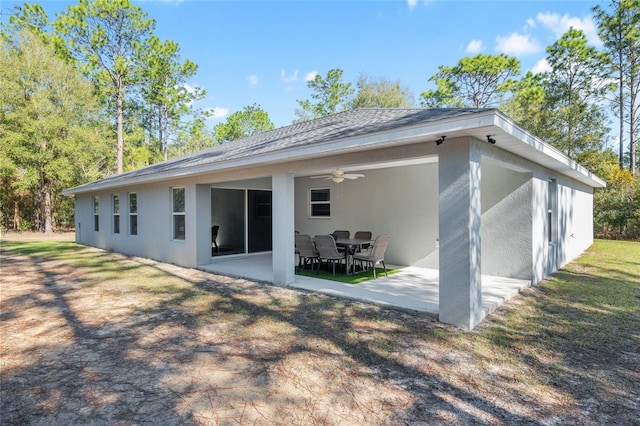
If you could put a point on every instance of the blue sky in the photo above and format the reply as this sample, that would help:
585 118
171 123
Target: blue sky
263 52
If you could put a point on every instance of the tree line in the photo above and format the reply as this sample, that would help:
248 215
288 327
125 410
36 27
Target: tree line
74 90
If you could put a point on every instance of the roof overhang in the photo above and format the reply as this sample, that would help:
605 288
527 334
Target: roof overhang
509 136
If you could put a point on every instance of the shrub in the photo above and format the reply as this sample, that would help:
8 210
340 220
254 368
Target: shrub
617 207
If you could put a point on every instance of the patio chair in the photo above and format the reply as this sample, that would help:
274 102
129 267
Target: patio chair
375 254
341 234
363 235
326 246
214 238
307 252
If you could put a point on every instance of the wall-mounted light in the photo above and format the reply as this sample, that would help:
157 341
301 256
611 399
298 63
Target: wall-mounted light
439 141
491 140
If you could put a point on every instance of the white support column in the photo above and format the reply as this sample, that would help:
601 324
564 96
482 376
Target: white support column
460 216
282 187
203 224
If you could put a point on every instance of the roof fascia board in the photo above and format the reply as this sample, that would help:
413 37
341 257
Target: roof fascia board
508 126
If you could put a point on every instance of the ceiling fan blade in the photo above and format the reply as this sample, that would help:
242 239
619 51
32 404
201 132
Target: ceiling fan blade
338 174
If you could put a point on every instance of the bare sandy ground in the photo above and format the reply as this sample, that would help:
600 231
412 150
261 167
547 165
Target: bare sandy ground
142 342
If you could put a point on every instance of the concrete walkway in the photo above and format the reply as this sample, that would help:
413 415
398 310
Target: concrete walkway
413 288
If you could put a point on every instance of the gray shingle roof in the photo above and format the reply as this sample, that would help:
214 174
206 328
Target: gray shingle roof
346 124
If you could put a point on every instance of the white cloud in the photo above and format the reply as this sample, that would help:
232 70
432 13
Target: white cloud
310 75
517 44
218 112
560 24
541 66
253 80
474 46
413 3
531 23
289 78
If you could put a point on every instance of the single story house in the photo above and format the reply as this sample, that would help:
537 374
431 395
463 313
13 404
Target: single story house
460 190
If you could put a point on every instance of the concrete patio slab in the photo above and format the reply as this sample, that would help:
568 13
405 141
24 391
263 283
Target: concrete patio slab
412 288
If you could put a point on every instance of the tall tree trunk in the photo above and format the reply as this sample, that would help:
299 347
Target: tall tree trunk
165 132
633 127
47 207
621 104
37 217
16 215
161 132
120 124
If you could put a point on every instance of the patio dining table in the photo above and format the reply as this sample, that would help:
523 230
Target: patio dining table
351 245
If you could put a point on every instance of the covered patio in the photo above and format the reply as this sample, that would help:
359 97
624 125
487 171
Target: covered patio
413 288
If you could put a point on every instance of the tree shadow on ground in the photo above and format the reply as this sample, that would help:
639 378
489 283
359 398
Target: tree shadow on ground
583 349
86 375
216 349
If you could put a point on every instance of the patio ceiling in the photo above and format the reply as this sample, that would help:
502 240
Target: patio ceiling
370 166
507 135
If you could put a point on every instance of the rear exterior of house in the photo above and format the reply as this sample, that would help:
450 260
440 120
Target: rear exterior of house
517 208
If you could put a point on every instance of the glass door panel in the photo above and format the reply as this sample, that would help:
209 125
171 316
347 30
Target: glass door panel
228 214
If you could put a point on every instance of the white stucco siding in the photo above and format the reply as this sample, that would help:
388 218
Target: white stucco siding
506 222
203 223
571 222
283 228
460 195
84 220
154 238
575 220
539 243
399 201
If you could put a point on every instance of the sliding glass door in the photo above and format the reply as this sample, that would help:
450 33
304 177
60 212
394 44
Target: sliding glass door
240 221
259 220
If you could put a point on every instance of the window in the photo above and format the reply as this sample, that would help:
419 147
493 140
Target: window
320 202
178 213
116 214
133 214
96 214
551 207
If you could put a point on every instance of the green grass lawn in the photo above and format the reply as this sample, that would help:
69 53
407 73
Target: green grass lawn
340 276
580 329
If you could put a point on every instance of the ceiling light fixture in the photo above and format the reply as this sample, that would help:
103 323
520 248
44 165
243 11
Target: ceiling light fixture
338 176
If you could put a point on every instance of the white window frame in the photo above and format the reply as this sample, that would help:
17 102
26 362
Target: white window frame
321 202
96 214
552 208
133 213
115 202
176 213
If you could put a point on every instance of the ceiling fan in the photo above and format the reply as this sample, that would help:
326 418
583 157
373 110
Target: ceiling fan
338 176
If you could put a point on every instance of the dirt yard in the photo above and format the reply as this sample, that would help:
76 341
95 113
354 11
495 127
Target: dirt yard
92 337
